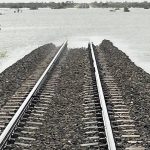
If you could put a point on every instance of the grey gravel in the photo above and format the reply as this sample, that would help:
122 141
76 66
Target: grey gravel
63 126
13 77
135 86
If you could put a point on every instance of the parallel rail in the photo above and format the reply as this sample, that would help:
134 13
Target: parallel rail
10 128
108 129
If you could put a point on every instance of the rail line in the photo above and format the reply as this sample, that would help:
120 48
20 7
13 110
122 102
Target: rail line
99 134
125 134
108 129
107 122
107 119
12 125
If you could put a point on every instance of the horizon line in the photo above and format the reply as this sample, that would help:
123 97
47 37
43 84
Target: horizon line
130 1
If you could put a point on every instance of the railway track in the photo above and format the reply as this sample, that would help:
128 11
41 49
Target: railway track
106 119
24 111
125 134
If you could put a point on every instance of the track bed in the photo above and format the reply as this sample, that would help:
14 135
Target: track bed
67 111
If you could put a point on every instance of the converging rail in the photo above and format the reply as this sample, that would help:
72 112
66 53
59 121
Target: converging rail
108 129
10 128
80 80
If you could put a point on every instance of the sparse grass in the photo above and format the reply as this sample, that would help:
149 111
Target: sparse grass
3 54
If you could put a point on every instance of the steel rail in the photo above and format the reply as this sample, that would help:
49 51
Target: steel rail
9 130
108 129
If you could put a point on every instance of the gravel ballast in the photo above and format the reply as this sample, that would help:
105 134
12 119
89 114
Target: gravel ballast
134 83
12 78
63 126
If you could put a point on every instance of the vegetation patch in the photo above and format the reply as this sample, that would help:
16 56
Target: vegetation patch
3 54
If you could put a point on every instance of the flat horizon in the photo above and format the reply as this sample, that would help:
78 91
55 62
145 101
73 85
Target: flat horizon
78 1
